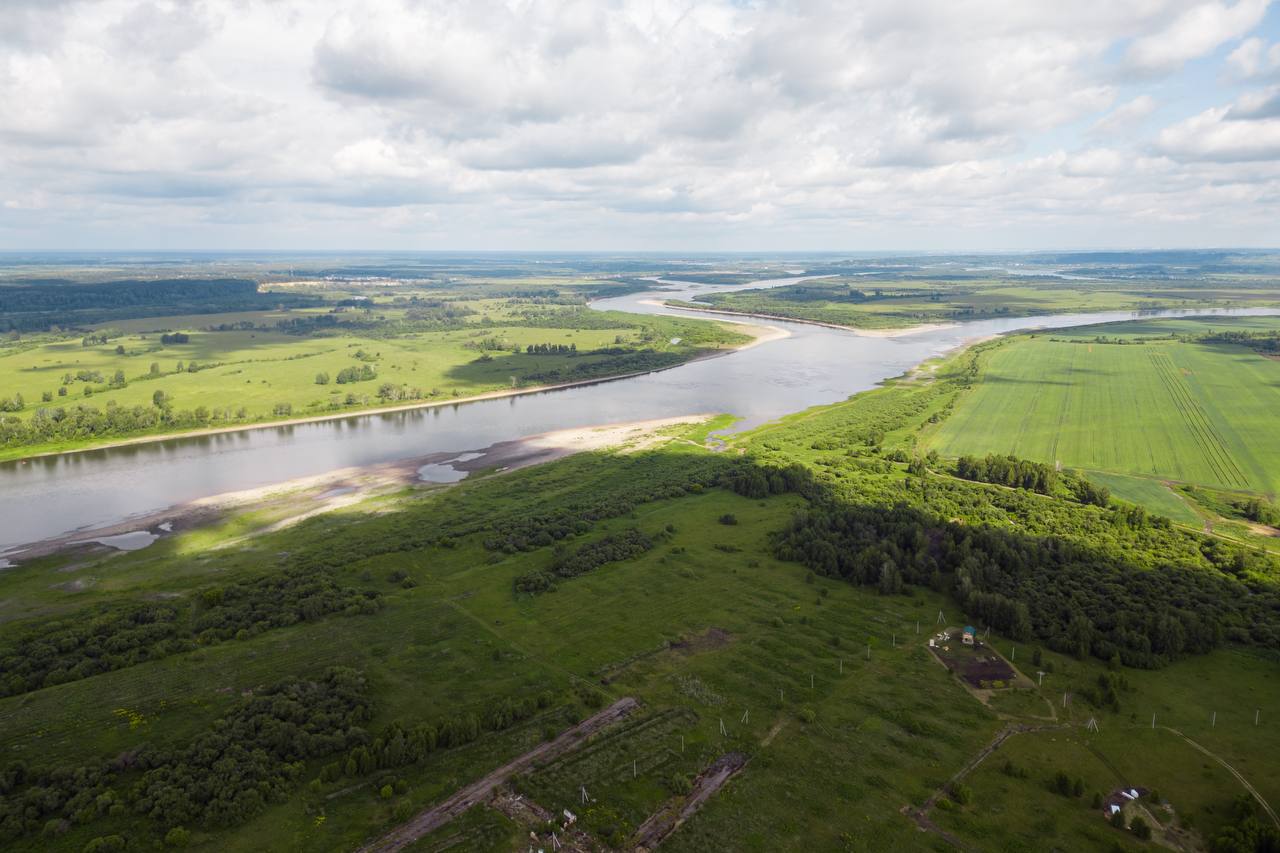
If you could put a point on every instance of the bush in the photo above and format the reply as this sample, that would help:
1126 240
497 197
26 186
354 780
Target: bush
729 518
177 837
386 792
1140 828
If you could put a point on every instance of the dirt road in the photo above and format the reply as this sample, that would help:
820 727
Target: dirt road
440 814
668 820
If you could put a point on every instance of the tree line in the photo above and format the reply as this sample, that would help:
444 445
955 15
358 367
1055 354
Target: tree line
110 637
570 562
251 757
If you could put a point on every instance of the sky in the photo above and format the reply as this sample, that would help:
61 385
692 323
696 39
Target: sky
612 126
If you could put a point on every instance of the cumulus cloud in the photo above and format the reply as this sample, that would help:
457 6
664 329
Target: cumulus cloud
1195 33
1124 118
1255 58
639 123
1213 135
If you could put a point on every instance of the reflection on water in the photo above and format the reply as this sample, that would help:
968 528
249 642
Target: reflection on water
134 541
815 365
444 472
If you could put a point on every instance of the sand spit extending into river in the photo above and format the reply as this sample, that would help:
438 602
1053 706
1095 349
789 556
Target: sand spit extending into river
865 333
305 497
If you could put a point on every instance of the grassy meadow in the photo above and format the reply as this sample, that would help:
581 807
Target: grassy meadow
1167 409
829 687
867 303
252 375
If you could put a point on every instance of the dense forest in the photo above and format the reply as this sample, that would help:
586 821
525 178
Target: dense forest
112 637
40 305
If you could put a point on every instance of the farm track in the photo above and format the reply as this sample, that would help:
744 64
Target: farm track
1271 813
438 815
921 815
1211 442
667 820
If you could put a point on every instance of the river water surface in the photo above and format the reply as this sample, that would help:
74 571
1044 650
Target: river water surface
49 496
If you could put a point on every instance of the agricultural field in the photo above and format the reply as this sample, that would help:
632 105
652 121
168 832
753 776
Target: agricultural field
869 303
1127 399
732 644
254 367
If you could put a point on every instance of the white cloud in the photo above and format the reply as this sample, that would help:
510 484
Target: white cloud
619 123
1124 118
1255 58
1195 33
1214 136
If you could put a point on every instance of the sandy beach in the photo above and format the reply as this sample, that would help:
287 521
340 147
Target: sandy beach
865 333
305 497
760 335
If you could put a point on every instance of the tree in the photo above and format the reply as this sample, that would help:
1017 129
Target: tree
160 399
322 378
155 368
119 349
1140 828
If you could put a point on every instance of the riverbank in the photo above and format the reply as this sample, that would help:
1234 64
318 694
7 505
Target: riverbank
905 331
304 497
759 334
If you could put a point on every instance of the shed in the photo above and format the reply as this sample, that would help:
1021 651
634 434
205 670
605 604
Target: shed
968 635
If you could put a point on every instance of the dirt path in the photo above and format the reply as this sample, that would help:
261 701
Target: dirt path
440 814
921 815
667 820
1266 807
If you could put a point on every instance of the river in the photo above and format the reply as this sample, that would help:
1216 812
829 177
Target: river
50 496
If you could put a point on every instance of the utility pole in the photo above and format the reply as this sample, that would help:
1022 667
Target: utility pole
1041 674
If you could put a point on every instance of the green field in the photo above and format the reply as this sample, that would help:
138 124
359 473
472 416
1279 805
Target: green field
222 378
870 303
1166 409
823 680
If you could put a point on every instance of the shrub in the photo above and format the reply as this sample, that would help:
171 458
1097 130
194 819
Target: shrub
177 837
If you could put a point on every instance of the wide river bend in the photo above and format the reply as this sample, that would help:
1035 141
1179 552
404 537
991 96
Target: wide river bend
49 496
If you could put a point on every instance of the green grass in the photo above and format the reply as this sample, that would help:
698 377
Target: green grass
255 371
1150 493
840 741
1179 411
901 304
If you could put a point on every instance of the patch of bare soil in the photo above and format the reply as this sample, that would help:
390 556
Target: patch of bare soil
709 640
669 818
547 831
1262 529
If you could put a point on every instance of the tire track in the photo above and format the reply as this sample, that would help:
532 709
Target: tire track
1211 442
